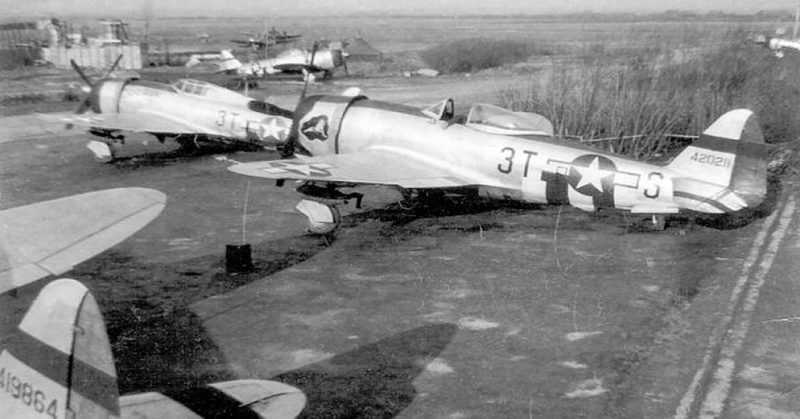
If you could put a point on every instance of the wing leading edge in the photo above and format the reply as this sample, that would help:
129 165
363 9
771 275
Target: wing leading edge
377 167
141 121
49 238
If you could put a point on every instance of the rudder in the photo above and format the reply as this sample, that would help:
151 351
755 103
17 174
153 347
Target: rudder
729 153
61 357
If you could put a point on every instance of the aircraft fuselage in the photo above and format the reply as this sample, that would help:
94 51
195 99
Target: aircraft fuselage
223 119
537 169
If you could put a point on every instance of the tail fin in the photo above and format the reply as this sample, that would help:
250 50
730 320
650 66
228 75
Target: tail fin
725 169
58 363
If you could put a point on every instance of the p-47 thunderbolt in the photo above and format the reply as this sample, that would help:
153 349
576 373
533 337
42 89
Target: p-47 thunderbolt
509 155
189 111
325 60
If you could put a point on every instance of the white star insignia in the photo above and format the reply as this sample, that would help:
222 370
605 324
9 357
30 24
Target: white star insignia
592 175
273 129
320 169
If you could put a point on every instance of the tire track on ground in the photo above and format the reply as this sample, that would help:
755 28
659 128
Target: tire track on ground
711 384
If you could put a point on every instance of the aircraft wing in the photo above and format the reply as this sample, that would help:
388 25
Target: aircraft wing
49 238
378 167
142 121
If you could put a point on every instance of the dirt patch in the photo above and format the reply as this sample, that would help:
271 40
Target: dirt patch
157 341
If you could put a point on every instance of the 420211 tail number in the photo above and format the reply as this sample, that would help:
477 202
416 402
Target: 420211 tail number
712 159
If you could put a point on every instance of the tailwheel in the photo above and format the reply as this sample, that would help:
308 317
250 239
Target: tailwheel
659 222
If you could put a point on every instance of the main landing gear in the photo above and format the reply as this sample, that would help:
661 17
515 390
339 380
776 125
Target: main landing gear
105 151
329 192
323 219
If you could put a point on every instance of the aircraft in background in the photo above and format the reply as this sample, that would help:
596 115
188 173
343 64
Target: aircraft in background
57 363
50 238
216 62
295 61
267 39
343 141
779 43
189 111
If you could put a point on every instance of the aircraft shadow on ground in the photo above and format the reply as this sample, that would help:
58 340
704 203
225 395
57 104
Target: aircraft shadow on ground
178 155
470 204
372 381
408 211
158 343
13 306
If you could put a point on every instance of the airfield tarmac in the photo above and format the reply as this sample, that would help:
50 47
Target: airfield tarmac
463 311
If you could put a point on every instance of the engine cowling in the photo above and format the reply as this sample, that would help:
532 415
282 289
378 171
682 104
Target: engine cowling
105 95
317 121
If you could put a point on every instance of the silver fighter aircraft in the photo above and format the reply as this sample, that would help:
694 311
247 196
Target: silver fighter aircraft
351 140
325 60
190 111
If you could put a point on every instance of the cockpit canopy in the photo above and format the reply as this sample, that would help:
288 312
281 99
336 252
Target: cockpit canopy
207 90
497 120
441 111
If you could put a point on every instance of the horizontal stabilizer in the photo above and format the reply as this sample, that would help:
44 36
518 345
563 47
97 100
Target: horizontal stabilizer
229 399
725 169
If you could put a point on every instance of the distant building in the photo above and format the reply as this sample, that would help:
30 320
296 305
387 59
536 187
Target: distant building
49 41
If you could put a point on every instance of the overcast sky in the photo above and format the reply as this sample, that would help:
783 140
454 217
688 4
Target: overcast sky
122 8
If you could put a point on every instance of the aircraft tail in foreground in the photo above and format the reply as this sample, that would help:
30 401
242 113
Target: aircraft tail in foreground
725 169
58 362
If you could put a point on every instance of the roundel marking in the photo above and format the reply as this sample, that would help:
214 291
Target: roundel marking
592 175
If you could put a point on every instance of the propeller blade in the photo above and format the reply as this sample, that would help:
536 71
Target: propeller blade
86 104
113 66
306 77
313 53
80 73
306 74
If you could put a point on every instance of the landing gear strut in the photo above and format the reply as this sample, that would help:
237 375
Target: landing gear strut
659 222
105 151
